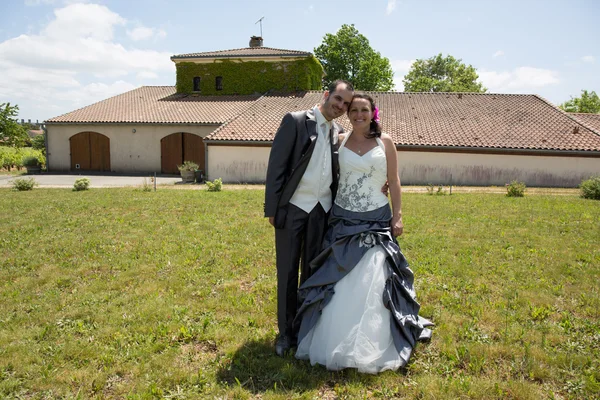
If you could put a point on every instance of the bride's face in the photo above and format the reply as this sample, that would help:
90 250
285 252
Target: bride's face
360 113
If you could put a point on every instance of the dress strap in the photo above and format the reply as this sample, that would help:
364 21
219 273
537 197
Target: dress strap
343 144
380 143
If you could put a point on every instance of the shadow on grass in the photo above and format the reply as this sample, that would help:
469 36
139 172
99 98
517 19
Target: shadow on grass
256 368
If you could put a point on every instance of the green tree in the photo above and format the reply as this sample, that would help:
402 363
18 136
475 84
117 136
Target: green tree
442 74
348 55
589 102
39 143
11 133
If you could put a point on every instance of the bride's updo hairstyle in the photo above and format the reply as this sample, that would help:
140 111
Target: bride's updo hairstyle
375 127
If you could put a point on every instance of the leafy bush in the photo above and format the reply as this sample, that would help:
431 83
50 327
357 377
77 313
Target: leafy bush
215 186
39 143
590 188
515 189
81 184
21 184
13 157
188 166
31 161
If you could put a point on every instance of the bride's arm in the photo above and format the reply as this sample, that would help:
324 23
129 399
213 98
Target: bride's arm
394 184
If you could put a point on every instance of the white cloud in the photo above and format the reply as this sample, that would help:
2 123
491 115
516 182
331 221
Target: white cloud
499 53
75 60
400 68
391 6
588 59
143 33
147 75
140 33
520 79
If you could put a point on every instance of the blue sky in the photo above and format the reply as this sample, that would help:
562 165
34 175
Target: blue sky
60 55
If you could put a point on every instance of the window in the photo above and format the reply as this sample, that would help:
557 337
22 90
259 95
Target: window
219 82
196 84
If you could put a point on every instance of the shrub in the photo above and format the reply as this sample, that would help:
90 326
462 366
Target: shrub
515 189
590 188
31 161
81 184
21 184
215 186
39 143
188 166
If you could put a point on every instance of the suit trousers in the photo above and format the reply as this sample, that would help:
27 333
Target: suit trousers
296 245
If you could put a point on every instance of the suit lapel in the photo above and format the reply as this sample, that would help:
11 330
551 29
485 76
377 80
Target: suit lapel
311 123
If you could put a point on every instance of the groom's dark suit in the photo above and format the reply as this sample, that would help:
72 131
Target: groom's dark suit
298 235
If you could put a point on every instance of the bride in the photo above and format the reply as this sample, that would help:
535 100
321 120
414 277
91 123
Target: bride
359 308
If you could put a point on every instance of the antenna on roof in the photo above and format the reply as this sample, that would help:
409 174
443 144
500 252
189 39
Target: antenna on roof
260 20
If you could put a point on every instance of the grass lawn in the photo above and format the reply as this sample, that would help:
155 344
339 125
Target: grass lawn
120 293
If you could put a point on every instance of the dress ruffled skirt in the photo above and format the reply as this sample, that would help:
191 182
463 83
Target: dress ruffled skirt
359 308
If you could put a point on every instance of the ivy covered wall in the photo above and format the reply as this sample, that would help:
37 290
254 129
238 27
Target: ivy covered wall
250 77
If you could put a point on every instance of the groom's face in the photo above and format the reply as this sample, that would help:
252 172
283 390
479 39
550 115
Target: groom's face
336 103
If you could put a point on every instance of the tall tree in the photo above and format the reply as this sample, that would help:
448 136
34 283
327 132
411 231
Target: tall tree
589 102
348 55
11 133
442 74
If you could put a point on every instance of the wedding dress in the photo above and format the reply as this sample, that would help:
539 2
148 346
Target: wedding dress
359 309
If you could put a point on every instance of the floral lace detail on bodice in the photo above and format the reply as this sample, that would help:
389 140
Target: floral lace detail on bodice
361 179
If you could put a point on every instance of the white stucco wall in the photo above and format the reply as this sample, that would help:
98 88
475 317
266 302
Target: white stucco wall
494 169
129 151
249 164
235 164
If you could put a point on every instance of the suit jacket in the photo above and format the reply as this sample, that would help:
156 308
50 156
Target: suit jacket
292 148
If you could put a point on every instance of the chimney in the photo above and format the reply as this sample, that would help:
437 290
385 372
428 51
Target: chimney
256 41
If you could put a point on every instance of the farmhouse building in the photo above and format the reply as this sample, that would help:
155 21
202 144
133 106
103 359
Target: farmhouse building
227 105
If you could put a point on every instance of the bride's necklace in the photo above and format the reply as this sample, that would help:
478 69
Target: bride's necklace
359 146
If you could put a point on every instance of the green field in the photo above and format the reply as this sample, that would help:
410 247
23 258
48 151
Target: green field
120 293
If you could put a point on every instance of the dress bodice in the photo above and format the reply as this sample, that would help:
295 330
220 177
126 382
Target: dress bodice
361 178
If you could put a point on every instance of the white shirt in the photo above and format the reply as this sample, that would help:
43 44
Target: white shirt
315 185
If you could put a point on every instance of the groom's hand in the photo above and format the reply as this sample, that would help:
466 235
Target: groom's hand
272 221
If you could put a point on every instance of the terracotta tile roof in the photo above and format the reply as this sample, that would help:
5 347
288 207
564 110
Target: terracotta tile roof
159 104
498 121
245 52
590 120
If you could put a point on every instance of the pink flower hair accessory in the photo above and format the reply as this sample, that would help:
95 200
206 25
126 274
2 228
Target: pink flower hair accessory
376 114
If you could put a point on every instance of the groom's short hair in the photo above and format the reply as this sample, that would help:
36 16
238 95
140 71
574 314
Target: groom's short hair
333 85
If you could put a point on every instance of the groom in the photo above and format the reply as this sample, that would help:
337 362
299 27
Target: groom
301 182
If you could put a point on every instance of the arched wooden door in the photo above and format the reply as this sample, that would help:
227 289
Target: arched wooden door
179 147
90 151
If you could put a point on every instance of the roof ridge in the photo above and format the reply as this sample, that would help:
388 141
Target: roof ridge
217 52
561 111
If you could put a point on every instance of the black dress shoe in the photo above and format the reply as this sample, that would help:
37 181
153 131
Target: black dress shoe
283 345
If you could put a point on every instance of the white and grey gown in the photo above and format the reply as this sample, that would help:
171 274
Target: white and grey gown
358 309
